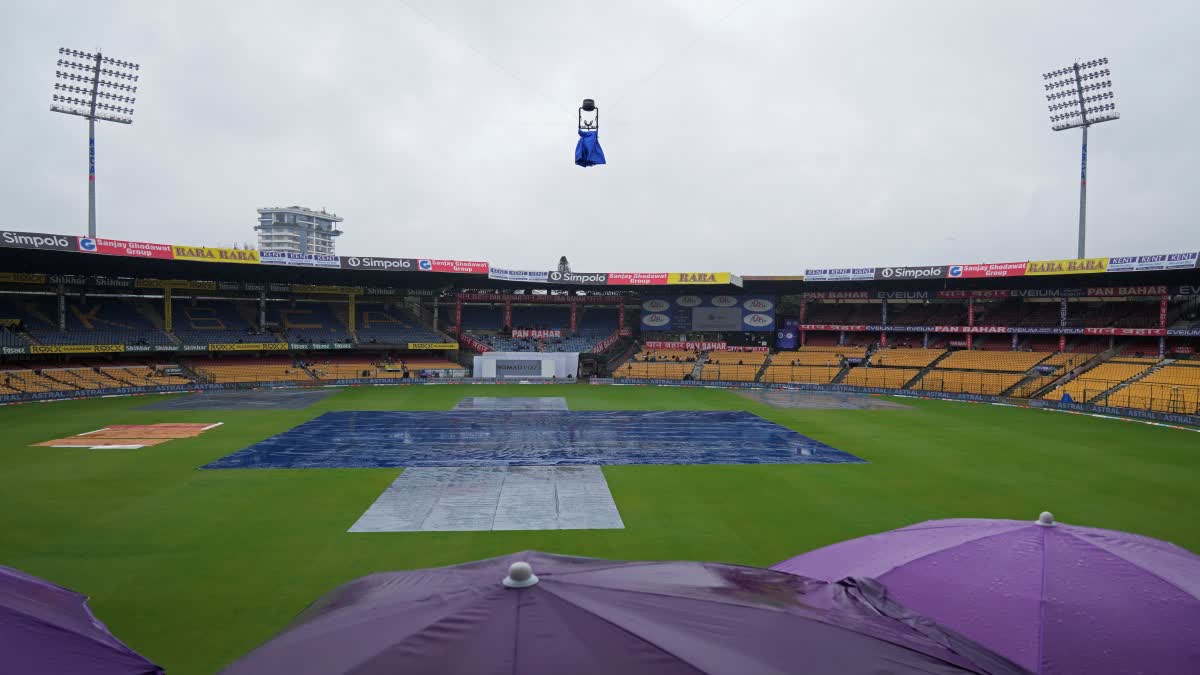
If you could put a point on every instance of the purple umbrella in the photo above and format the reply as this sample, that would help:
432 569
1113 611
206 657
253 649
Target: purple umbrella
1054 598
583 615
48 629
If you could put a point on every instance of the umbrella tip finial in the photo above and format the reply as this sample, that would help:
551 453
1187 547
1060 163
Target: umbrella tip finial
1046 519
520 575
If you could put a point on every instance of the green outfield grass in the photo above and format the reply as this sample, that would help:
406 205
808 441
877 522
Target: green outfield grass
193 568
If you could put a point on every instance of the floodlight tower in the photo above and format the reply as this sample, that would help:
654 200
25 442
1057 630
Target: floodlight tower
1082 85
94 87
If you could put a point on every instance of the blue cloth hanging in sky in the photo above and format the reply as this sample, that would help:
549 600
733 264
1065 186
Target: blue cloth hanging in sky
588 151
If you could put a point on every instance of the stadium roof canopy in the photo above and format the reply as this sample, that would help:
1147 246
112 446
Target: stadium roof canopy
36 253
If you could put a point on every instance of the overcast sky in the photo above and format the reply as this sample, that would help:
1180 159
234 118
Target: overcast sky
752 136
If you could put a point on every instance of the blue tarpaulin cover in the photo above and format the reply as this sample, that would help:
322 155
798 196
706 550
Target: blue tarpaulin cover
377 439
588 151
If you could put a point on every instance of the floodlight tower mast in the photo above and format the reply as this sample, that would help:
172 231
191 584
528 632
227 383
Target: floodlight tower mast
1074 94
85 94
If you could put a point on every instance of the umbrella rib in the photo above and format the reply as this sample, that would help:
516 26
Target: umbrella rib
516 635
320 627
1042 603
973 540
550 589
116 646
805 617
1139 566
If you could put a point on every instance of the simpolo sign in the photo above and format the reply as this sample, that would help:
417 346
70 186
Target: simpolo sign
380 264
922 272
596 278
37 240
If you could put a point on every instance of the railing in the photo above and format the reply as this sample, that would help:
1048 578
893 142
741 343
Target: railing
1183 399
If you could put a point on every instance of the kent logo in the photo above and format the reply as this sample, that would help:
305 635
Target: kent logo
697 278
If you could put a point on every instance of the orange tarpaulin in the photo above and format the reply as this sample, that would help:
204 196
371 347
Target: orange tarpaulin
134 435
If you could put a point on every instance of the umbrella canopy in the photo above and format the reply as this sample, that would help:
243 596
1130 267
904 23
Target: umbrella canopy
560 614
46 628
1054 598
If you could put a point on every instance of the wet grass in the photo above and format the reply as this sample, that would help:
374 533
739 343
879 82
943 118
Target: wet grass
193 568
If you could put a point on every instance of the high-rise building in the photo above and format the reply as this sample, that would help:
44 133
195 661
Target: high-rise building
295 229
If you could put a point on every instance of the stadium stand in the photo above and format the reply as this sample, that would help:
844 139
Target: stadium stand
541 317
910 358
654 371
350 367
1064 361
1032 386
967 382
142 376
827 359
1096 381
307 322
501 343
598 320
378 324
892 378
992 360
730 372
251 370
482 317
96 320
805 374
817 354
202 322
1172 388
11 338
737 358
584 342
666 355
31 381
733 366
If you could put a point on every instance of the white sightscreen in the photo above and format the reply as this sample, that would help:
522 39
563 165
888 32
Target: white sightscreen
525 365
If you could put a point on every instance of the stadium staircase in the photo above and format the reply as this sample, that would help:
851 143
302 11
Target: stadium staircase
341 312
924 371
763 371
50 375
1080 370
249 314
1153 369
1031 376
120 382
615 363
192 374
701 359
837 379
33 310
150 313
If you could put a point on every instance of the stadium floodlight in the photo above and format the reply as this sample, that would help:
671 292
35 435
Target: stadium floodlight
1074 96
82 86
